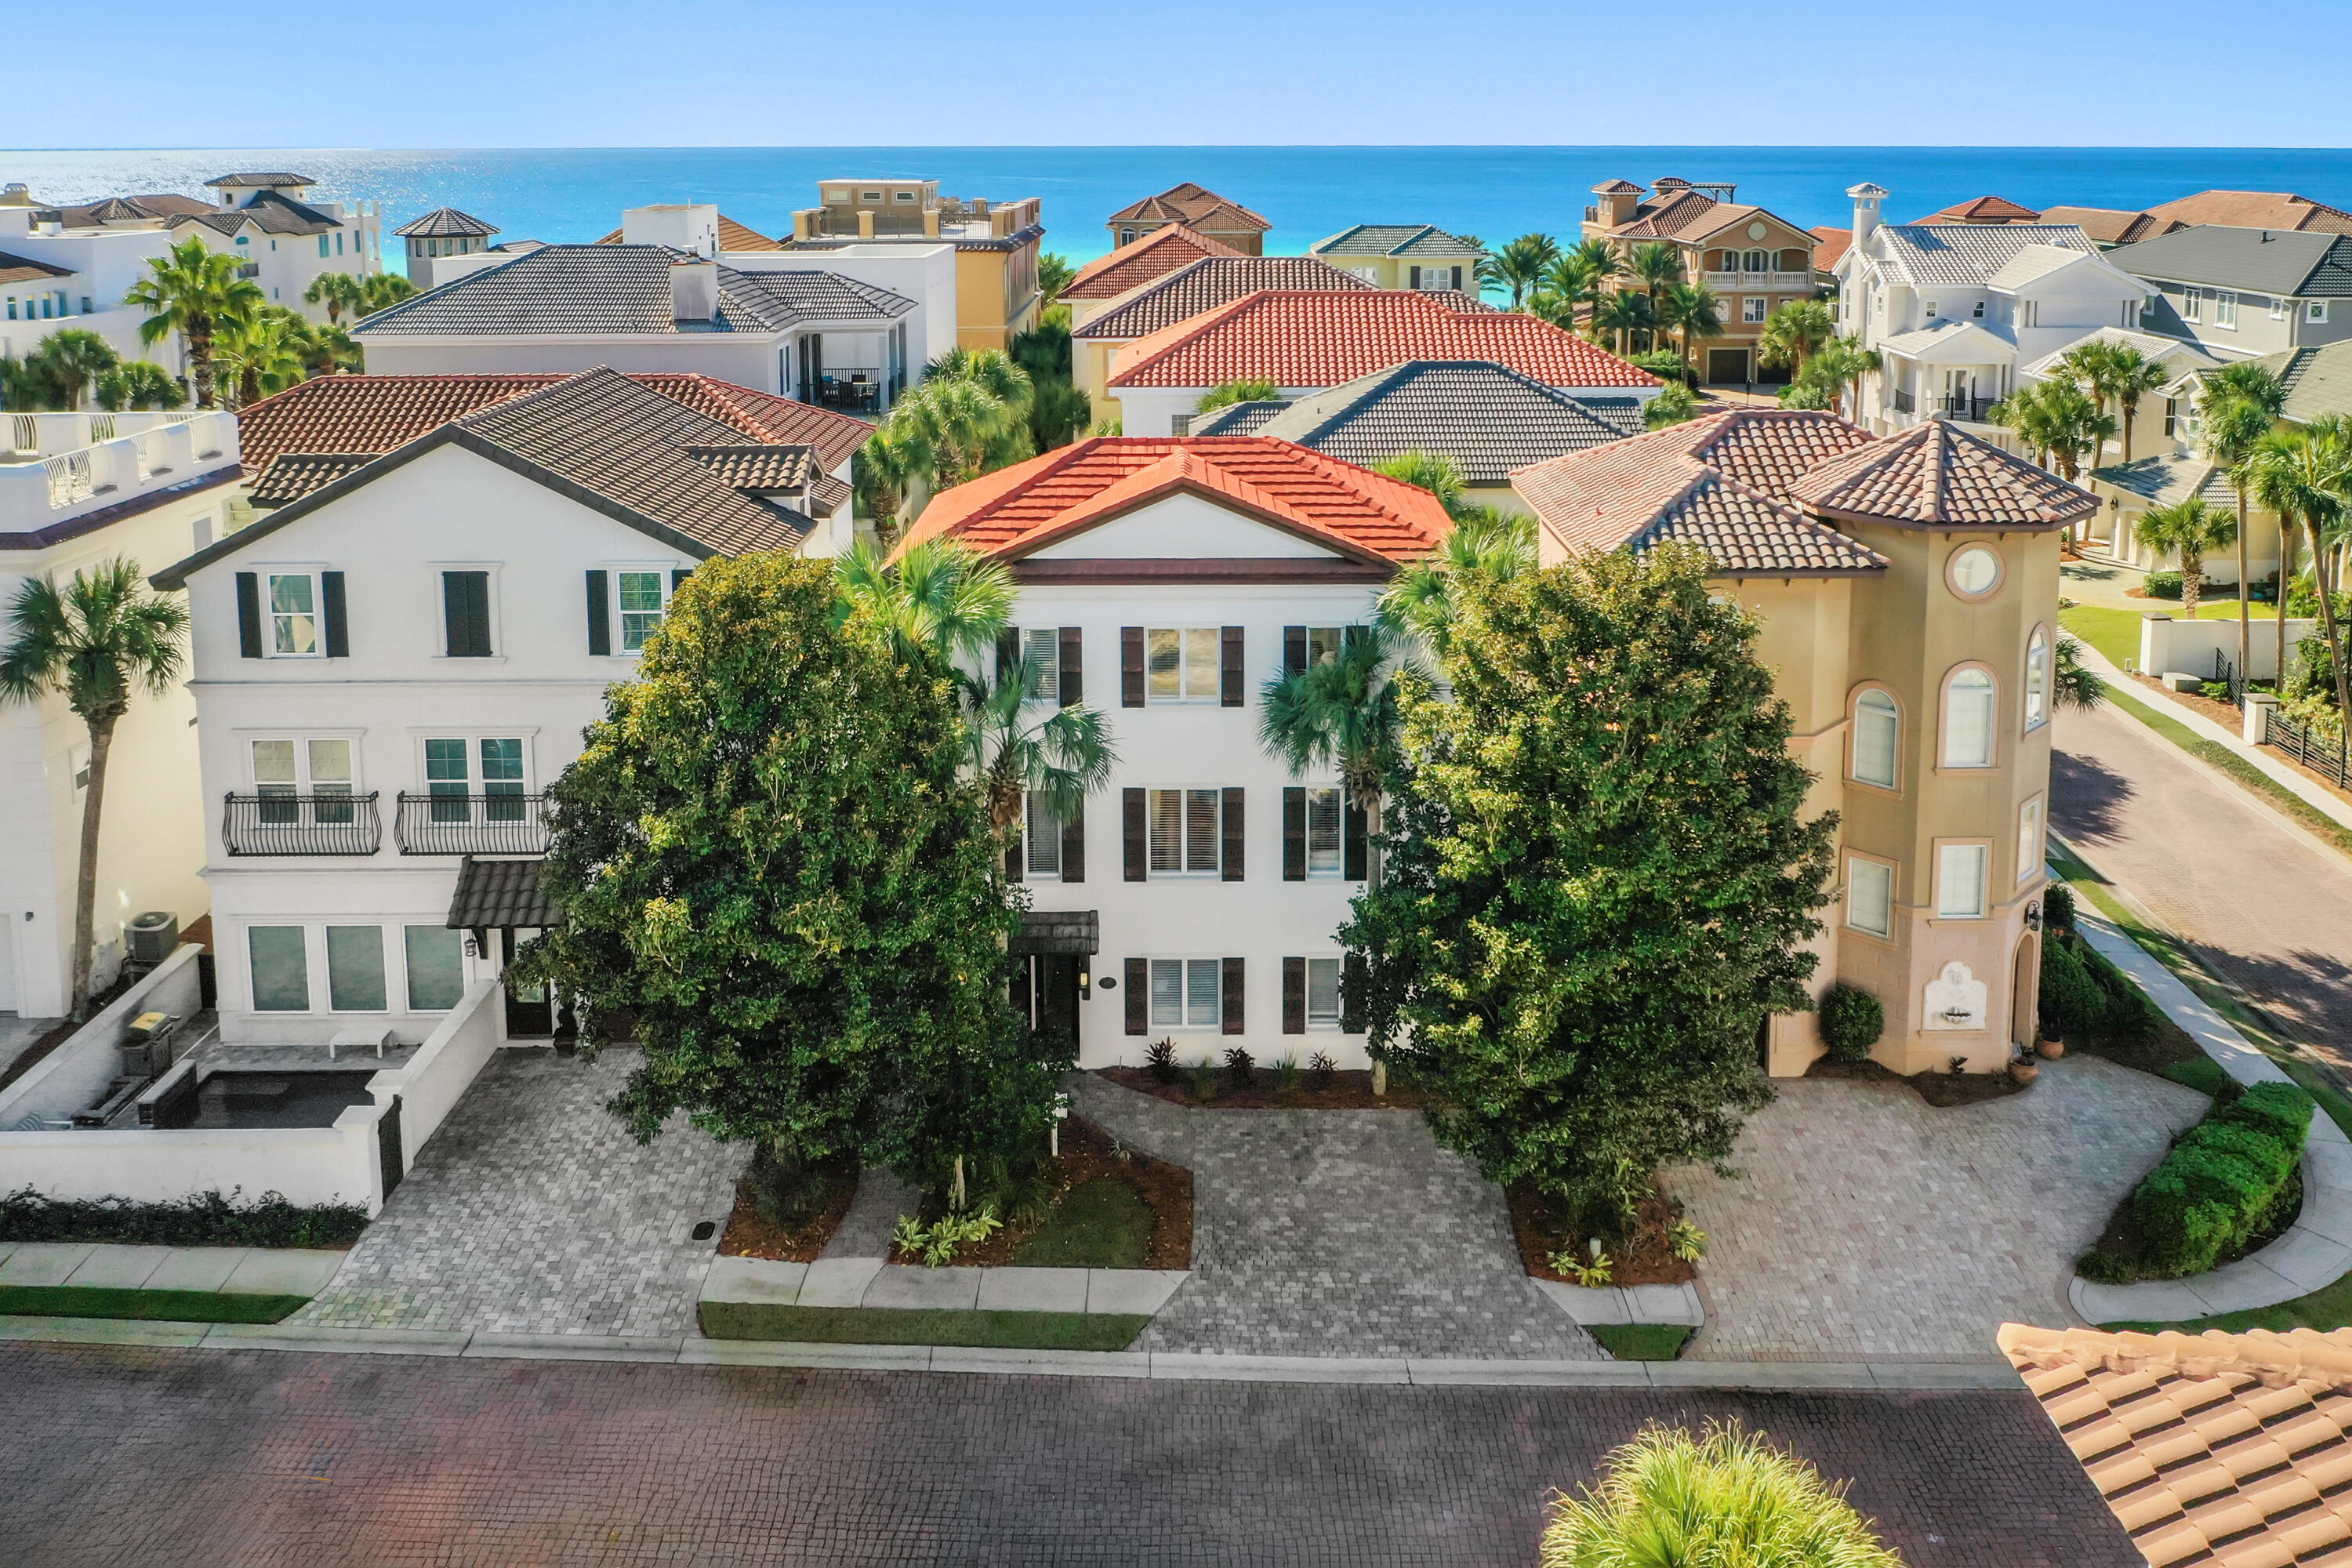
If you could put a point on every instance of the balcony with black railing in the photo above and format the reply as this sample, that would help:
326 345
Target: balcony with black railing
471 825
327 823
1960 405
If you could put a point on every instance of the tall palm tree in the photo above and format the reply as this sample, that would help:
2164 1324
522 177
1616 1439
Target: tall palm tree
1340 712
1833 377
261 354
1580 277
381 290
2235 409
76 359
194 291
1694 310
2188 528
1657 265
1017 748
98 641
2131 376
1519 266
2304 476
2059 421
885 473
1794 333
338 291
2074 683
1622 314
138 384
1419 606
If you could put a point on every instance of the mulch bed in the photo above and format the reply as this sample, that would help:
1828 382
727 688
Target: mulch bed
1941 1089
1089 1154
1348 1090
1541 1229
751 1233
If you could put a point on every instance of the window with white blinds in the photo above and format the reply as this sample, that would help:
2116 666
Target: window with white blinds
1185 993
1323 823
1040 647
1322 992
1870 896
1968 704
1042 853
1876 724
1184 824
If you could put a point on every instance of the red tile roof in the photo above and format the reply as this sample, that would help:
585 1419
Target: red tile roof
1830 242
1315 338
2255 209
375 414
2112 225
1358 513
1195 204
1984 209
732 236
1933 475
1155 256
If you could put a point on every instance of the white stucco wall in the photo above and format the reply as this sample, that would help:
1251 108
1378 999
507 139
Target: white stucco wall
745 359
923 273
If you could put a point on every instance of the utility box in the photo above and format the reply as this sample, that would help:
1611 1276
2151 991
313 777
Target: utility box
150 937
147 1045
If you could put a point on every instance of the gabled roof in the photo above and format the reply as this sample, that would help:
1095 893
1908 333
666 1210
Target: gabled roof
1394 239
1935 475
599 438
1984 209
2175 354
604 289
1830 242
732 236
757 468
269 211
445 223
1204 285
1323 337
2255 209
1967 253
2111 225
155 204
2035 261
1719 481
2227 1450
2171 476
289 477
1360 515
2264 261
1195 204
258 182
24 269
1236 419
2317 381
1155 255
1488 419
1616 188
373 414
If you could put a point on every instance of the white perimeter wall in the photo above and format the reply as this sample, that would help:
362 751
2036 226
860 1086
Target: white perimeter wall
2168 646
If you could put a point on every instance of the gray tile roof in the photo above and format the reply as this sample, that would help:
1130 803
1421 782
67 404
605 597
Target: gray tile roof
2178 353
599 289
445 223
269 212
290 476
1970 252
497 893
1204 285
1394 239
1235 419
758 468
2261 261
266 180
2171 478
1490 420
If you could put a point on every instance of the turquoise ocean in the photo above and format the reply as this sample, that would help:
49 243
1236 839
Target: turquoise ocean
577 194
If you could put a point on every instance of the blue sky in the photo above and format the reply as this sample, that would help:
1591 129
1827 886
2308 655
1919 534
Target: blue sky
533 73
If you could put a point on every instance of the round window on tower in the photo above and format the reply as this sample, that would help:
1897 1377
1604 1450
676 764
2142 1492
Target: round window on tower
1974 572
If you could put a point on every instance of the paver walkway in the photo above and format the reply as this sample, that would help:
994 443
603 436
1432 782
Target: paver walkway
1336 1233
533 1211
1868 1225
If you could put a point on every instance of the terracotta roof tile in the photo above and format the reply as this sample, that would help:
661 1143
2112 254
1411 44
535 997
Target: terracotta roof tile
1323 337
2111 225
1935 474
290 476
1360 513
1205 284
746 466
2255 209
1156 255
1195 204
1984 209
1830 243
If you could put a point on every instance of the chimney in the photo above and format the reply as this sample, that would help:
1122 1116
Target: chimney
1866 199
694 290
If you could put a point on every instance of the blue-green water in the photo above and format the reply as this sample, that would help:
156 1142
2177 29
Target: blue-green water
1307 192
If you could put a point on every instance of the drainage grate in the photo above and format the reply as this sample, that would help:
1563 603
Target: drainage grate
705 1229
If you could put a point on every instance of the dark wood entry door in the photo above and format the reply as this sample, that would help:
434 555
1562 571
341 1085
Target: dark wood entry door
530 1012
1052 999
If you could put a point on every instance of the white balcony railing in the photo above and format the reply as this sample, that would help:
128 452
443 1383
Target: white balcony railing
69 478
1758 283
59 462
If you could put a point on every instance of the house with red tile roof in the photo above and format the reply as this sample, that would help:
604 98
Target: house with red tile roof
1165 582
1130 266
1905 591
1306 340
1197 208
1985 209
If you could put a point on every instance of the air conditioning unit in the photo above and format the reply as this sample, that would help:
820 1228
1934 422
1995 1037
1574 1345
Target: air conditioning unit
151 937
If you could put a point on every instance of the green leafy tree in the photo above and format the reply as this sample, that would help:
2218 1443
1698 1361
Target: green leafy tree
99 640
1724 1499
767 859
1599 878
1794 333
1422 604
1518 267
194 291
1691 309
381 290
262 354
2236 407
1255 389
2305 477
1673 404
1055 274
138 384
339 292
1058 410
28 385
1625 316
1831 377
1656 265
2188 527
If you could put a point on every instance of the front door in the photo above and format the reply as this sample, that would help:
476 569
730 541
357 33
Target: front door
1046 988
530 1016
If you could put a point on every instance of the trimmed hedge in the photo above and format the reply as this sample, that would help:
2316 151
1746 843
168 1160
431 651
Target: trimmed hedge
205 1219
2088 1000
1852 1021
2224 1181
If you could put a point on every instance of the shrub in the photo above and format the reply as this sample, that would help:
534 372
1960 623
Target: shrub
1159 1055
1241 1068
2058 908
1286 1073
202 1220
2223 1180
1852 1021
1320 1070
793 1193
2162 585
1204 1080
2127 1014
1666 365
2071 1002
2280 1110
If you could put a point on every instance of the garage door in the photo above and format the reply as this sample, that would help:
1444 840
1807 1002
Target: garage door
1727 364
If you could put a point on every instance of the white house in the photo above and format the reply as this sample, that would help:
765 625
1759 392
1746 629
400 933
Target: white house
1954 307
76 489
1200 896
390 670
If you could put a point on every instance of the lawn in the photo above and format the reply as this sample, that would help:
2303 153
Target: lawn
167 1306
923 1326
2330 1307
1641 1342
1102 1223
2115 633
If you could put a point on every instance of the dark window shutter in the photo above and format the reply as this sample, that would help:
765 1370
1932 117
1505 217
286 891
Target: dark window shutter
1294 834
1294 995
1130 666
1138 998
1294 650
1457 278
1232 836
1351 994
1074 845
1354 844
1232 1000
1131 816
331 610
678 576
248 614
1230 669
1008 654
1072 683
600 619
465 613
1413 281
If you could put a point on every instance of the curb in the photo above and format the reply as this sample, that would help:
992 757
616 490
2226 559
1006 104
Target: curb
1989 1373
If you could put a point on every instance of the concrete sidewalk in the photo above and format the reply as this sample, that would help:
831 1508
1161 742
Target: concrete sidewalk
230 1270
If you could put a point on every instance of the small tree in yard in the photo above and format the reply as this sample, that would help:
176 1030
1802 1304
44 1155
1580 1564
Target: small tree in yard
2188 528
767 859
1597 880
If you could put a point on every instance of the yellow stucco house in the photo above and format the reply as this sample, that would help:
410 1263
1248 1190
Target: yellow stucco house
1755 261
996 246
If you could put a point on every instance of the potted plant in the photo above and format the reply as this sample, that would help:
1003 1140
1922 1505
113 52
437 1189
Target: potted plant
2023 1069
2049 1050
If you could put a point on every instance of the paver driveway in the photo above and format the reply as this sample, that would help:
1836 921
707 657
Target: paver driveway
533 1211
1868 1225
1336 1233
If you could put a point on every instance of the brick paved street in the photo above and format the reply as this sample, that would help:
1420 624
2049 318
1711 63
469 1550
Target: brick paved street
1336 1233
1869 1224
533 1211
264 1458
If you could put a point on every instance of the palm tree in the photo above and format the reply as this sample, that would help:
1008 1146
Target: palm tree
338 291
1519 266
1435 472
1579 276
261 354
1657 265
1669 1499
1794 333
2188 527
76 359
96 640
381 290
939 599
1255 389
2131 376
883 474
1055 274
1017 749
2235 409
1622 314
1419 606
1833 374
2074 684
2304 476
1694 310
2059 421
1342 711
1674 403
138 384
194 291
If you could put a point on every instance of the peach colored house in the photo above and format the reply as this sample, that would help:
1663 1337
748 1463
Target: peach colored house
1197 208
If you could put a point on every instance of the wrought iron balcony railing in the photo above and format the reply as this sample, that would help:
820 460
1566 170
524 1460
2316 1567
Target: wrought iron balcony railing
471 825
327 823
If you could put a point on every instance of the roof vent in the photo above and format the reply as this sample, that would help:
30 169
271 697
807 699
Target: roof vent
694 290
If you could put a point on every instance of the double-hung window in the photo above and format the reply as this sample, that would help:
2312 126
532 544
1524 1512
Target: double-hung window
294 616
1323 992
2037 678
1041 651
450 777
1751 308
2192 305
2225 309
284 770
2028 840
1960 881
1185 826
1042 834
1186 992
1182 664
1323 831
1969 706
1877 724
643 595
1870 896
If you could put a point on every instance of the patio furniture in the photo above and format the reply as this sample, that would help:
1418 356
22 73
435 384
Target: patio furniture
360 1041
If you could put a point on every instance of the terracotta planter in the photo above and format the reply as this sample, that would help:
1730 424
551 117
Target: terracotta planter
2024 1072
2049 1050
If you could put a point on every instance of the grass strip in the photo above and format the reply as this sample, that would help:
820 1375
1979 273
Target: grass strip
2329 1307
165 1306
922 1326
2222 759
1641 1342
1101 1224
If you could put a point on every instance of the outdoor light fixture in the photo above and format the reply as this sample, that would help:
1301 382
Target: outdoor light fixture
1086 985
2033 917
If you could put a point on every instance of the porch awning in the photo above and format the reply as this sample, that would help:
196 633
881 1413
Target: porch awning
1059 931
498 893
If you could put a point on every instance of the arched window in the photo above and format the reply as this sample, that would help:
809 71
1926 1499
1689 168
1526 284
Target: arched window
1877 726
1968 699
2037 678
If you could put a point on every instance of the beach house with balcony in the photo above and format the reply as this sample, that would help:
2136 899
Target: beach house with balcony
1753 260
1404 256
996 296
76 489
